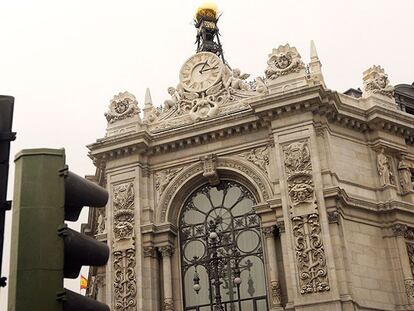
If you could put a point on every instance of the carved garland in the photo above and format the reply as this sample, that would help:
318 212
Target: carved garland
309 249
124 261
179 180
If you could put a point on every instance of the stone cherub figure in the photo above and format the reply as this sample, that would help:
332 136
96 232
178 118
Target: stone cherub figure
175 98
405 175
384 168
236 81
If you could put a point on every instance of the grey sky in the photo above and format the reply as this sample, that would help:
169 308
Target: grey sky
64 60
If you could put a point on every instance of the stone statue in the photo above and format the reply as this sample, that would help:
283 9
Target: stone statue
100 227
384 169
405 175
175 98
261 86
376 82
236 81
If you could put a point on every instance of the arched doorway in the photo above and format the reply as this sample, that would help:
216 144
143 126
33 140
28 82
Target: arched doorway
222 264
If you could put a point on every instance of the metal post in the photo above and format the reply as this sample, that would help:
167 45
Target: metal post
6 136
36 263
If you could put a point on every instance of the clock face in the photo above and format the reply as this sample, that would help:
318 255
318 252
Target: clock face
201 71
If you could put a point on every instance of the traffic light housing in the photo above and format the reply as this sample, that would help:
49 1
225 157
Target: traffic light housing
44 250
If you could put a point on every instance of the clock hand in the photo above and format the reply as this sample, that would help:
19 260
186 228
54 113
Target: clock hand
205 64
210 68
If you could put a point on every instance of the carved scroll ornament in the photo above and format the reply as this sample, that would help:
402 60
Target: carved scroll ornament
310 254
122 106
125 287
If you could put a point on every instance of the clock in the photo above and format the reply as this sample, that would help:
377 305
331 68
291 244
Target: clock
201 71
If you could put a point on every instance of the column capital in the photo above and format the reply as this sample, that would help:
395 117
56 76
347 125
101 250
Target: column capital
166 251
280 225
399 229
149 251
269 231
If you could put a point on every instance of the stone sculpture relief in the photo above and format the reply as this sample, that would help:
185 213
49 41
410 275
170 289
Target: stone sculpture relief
125 287
309 250
237 81
376 82
275 292
404 171
163 178
310 254
283 61
258 156
125 283
122 106
384 169
210 169
100 226
123 199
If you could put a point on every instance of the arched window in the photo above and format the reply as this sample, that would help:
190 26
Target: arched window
221 250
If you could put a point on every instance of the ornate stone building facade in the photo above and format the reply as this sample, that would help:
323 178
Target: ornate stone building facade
274 194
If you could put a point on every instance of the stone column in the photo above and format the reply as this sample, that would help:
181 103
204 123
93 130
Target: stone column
166 253
269 233
399 231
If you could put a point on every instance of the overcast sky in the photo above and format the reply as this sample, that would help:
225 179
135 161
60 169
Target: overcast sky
64 60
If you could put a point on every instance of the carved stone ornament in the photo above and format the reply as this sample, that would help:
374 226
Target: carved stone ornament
275 292
100 223
269 232
384 169
149 251
376 82
333 217
207 88
409 288
210 169
122 106
125 283
410 251
258 156
280 224
310 254
283 61
399 229
163 178
168 304
123 200
297 157
166 251
405 175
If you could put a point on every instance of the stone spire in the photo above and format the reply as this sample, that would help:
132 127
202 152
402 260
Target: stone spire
150 112
148 99
315 64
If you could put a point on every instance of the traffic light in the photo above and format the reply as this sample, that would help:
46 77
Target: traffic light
6 136
44 250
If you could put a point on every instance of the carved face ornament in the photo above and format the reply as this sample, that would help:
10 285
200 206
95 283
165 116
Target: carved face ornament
283 61
121 106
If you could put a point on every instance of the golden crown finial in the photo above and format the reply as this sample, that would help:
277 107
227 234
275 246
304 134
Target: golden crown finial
208 10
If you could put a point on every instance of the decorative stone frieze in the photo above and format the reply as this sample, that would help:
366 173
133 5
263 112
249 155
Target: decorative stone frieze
309 249
258 156
283 61
168 304
210 169
163 178
410 251
122 106
125 283
376 82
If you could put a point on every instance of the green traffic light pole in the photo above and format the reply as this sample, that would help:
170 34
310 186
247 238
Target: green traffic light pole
36 266
43 250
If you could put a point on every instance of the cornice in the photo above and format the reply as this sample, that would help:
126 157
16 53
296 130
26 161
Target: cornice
264 109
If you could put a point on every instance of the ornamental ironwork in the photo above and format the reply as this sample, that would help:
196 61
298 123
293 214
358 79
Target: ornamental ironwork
221 250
